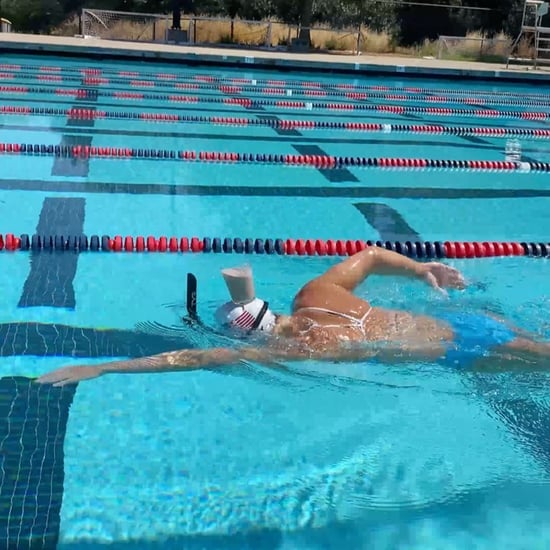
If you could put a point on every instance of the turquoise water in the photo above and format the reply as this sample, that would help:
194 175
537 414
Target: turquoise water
319 456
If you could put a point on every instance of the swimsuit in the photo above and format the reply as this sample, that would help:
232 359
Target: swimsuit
475 334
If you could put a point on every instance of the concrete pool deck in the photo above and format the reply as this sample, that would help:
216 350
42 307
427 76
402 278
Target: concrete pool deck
274 59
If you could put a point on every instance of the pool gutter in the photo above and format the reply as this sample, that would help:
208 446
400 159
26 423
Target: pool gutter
93 48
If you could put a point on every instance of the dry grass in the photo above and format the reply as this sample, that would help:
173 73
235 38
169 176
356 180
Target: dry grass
69 27
149 31
378 42
328 39
336 40
478 46
282 34
475 46
141 29
525 49
131 31
216 32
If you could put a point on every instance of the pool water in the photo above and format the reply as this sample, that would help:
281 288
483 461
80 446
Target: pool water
313 456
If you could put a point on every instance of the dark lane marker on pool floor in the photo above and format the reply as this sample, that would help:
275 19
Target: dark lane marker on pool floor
72 167
389 223
50 281
57 340
254 107
406 140
32 431
66 186
474 139
33 436
279 131
77 167
89 101
38 415
334 175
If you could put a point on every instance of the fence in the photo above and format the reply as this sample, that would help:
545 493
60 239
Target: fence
150 27
146 27
119 25
209 30
479 48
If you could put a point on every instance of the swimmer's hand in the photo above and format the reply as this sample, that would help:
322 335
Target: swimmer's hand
440 276
70 375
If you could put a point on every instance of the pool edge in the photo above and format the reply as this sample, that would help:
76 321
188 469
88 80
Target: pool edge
239 58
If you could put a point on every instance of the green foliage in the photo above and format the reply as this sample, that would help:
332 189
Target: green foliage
33 15
416 23
233 7
377 15
511 15
258 9
288 11
209 7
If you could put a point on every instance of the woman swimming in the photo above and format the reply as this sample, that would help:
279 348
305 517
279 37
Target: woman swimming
329 322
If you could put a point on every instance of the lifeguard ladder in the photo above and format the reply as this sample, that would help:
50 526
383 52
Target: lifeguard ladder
531 25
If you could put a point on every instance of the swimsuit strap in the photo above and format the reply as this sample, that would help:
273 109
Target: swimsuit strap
364 318
357 323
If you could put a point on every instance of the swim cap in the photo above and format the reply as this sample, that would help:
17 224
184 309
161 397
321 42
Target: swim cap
254 315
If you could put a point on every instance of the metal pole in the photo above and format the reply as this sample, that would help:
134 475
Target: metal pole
269 35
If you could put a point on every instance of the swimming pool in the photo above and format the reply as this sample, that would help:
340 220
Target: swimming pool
318 457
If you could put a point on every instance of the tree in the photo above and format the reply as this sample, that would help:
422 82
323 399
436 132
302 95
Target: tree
490 19
512 19
210 7
257 10
305 21
296 12
71 6
232 7
378 15
288 11
33 15
415 23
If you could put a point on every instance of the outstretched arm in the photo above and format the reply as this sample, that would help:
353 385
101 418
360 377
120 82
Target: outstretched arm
379 261
181 360
194 359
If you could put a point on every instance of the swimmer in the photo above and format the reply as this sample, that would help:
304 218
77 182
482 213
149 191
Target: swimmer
329 322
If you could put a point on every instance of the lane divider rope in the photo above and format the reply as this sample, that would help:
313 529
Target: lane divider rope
82 93
91 73
416 96
289 247
317 161
89 114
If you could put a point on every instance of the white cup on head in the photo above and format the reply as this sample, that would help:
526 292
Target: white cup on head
240 283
